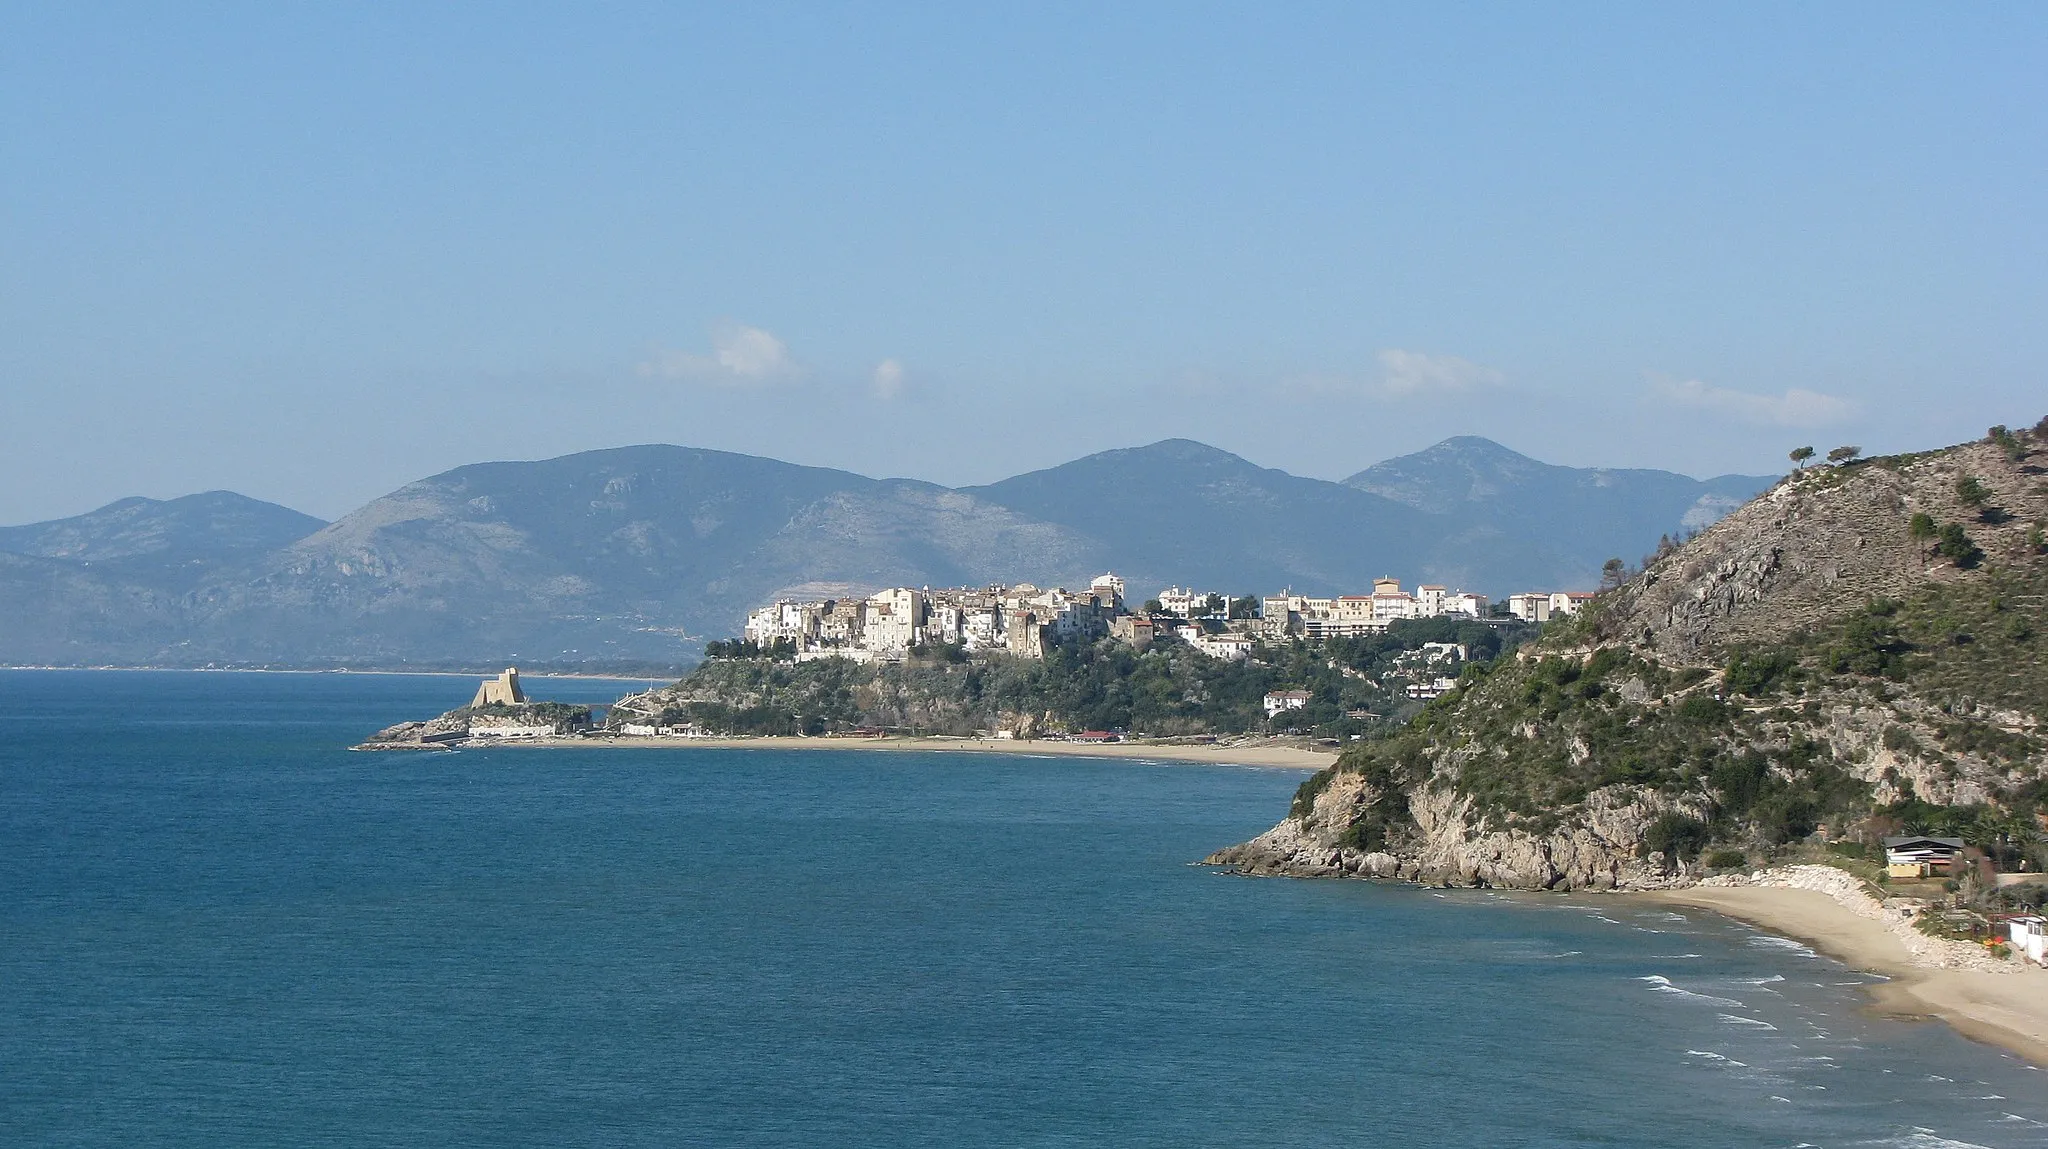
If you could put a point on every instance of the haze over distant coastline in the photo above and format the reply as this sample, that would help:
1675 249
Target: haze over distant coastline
630 558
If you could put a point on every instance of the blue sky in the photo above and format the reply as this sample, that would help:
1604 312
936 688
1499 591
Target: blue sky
310 253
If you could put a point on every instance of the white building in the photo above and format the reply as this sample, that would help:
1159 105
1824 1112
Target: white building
1357 615
2029 936
1282 700
1229 647
1435 688
892 619
1465 603
1185 602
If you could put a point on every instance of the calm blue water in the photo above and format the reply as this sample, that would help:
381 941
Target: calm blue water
218 927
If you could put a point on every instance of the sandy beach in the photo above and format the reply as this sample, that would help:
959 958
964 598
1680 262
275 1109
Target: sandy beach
1251 754
2007 1006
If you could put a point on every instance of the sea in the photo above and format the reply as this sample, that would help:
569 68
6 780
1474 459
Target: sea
220 927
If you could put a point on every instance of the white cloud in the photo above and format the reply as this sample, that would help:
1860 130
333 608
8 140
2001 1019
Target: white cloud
1415 372
889 381
1402 374
1797 407
741 356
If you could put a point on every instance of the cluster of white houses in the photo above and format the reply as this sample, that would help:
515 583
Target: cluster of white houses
887 624
1023 619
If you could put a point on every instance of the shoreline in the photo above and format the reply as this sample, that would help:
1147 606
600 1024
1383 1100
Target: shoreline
2003 1004
1275 756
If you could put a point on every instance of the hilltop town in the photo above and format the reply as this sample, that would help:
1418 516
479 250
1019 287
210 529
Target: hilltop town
1023 620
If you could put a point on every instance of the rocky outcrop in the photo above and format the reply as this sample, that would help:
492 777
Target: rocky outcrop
1453 848
472 725
1871 671
440 733
1821 541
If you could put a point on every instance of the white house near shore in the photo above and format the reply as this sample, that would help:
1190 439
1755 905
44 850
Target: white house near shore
2029 936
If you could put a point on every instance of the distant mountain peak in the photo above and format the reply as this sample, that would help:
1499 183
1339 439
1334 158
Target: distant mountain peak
206 525
1478 480
1175 450
1474 445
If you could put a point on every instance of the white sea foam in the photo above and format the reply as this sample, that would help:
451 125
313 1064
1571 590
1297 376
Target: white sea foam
1712 1056
1662 984
1760 982
1774 942
1735 1019
1928 1139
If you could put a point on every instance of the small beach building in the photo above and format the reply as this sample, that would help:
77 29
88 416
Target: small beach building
2029 936
1917 856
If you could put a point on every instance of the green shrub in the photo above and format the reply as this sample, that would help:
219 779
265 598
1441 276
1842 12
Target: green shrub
1702 710
1740 781
1758 672
1957 546
1677 836
1870 645
1727 860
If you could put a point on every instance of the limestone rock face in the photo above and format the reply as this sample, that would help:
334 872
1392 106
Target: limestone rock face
1796 555
1451 849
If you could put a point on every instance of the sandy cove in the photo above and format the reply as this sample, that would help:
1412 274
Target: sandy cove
2003 1003
1253 754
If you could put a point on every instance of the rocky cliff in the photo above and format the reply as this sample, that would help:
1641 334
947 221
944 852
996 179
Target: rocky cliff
1859 649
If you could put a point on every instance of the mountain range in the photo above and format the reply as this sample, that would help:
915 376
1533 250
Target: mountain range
632 557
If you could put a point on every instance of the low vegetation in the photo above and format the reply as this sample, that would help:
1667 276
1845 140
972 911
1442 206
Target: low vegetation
1838 731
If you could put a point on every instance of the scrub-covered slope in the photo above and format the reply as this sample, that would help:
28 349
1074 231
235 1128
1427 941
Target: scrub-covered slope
1860 649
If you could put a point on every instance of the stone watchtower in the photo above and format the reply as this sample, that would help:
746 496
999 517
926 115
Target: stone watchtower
503 689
